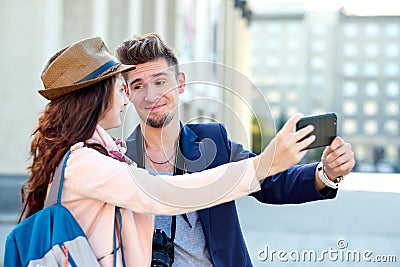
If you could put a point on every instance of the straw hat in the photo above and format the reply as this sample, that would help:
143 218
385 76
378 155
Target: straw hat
79 65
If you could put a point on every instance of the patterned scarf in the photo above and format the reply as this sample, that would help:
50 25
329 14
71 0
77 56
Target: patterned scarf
116 147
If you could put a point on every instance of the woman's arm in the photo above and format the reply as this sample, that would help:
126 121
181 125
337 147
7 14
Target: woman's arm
103 178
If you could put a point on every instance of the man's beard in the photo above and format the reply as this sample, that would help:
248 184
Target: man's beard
160 122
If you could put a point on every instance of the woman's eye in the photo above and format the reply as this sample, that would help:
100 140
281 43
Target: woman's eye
138 87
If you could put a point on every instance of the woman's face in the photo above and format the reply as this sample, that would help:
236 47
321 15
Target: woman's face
111 118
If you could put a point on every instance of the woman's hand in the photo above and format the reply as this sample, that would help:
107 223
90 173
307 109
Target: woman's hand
284 150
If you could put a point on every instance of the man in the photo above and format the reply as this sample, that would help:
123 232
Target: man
210 237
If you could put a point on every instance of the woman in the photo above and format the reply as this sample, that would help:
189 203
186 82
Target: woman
87 93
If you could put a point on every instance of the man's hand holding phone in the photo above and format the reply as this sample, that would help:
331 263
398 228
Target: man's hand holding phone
338 158
289 147
286 149
324 128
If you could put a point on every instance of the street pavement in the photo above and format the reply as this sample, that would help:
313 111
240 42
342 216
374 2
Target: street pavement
357 228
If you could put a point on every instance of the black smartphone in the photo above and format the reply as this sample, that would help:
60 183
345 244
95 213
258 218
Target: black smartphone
324 128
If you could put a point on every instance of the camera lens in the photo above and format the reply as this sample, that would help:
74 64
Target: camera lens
163 250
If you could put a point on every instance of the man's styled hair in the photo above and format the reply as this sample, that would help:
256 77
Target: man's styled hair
144 48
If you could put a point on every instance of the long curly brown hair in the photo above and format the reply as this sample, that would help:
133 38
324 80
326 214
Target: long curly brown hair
64 122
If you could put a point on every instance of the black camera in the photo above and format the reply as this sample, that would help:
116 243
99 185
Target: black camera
163 250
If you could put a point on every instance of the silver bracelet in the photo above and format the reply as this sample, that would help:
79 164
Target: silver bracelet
324 178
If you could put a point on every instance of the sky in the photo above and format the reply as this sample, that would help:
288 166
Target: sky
358 7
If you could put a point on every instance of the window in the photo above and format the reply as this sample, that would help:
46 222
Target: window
255 46
273 96
392 151
362 152
317 110
350 89
392 108
349 127
273 62
349 107
273 46
371 89
392 69
371 127
350 30
274 28
318 29
350 50
370 108
371 30
255 27
318 63
371 69
318 46
317 80
392 30
255 63
293 62
391 127
371 50
293 28
276 111
291 111
291 96
293 46
350 69
392 89
392 50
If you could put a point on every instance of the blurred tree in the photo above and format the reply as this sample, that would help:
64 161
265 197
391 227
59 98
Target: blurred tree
261 134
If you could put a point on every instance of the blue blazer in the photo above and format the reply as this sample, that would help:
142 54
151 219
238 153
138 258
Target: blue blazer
206 146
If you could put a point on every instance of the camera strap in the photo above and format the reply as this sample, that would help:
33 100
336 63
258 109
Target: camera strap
173 228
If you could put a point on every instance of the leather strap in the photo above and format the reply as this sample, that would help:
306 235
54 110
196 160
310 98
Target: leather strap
179 169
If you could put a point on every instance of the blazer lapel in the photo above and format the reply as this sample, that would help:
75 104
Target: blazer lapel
205 223
131 145
192 150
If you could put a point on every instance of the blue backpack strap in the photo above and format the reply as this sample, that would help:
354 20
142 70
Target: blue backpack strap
54 195
119 217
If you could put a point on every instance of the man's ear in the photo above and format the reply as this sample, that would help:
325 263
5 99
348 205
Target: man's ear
181 82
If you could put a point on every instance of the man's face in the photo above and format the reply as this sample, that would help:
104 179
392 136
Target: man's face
155 91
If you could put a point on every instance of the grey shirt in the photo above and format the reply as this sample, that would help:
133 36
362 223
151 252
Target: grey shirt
190 244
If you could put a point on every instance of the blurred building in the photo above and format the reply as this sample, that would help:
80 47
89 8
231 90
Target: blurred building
368 86
314 62
212 31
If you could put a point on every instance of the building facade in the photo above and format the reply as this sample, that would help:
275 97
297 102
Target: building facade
369 71
315 62
207 31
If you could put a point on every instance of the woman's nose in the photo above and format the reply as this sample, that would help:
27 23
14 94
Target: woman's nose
125 99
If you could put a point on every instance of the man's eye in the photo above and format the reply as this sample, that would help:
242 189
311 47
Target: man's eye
138 87
162 82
